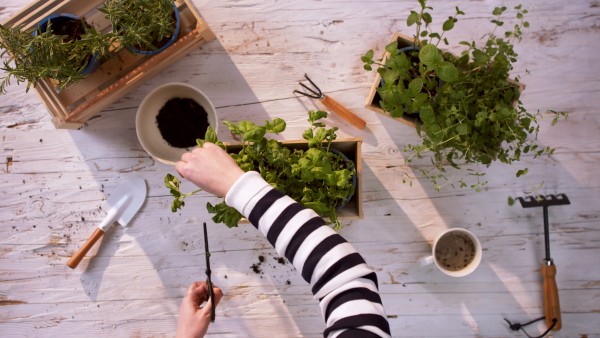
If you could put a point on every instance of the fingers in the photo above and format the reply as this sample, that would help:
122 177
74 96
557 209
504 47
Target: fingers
198 291
194 286
218 294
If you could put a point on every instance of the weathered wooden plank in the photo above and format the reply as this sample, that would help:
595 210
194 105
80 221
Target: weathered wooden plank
131 284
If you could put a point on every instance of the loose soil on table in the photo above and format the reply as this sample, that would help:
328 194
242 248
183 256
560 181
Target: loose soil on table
181 122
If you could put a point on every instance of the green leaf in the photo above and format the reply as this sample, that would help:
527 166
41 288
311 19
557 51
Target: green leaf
392 48
427 18
321 134
498 10
419 100
480 57
447 72
232 127
462 129
255 134
427 114
244 126
430 55
390 75
308 134
277 126
412 18
555 121
316 115
211 135
415 86
448 25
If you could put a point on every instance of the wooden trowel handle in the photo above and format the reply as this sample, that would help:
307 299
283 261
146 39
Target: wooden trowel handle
343 112
551 303
78 256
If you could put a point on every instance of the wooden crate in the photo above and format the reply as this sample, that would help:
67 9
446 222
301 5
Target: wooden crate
351 147
79 102
372 102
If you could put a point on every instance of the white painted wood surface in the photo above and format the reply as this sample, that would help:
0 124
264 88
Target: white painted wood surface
53 182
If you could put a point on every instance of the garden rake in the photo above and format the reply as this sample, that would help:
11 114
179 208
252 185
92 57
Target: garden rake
332 104
551 302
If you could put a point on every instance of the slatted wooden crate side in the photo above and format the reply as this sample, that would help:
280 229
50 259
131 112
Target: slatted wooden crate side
132 80
372 103
352 148
115 68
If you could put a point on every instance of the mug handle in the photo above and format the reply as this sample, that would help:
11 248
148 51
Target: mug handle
427 260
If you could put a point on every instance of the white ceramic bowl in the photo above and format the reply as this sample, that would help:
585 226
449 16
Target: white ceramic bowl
145 120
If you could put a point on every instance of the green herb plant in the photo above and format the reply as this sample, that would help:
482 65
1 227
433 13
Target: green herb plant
469 109
45 55
319 178
140 24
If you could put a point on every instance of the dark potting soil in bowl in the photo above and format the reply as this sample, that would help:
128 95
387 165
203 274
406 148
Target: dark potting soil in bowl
181 122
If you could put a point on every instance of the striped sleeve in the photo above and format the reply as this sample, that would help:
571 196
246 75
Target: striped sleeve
340 279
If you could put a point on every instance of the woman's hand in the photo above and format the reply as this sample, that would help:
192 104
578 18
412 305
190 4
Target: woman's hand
193 319
210 168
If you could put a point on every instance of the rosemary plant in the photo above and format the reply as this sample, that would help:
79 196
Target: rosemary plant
141 24
45 55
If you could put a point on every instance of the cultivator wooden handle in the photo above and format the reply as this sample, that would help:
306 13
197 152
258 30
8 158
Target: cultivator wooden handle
551 302
342 111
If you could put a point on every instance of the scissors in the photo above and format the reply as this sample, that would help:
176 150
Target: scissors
208 281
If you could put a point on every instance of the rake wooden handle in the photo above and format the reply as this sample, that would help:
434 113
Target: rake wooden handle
343 112
551 302
78 256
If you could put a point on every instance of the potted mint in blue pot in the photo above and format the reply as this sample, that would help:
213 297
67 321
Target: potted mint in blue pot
475 116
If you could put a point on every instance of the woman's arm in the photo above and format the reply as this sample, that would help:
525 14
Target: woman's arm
346 288
340 279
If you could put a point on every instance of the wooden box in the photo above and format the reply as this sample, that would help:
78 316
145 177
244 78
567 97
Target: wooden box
351 147
79 102
373 98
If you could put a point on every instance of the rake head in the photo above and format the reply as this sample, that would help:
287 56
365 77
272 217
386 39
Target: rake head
541 201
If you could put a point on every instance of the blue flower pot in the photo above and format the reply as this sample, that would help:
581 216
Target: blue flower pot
94 62
335 151
172 41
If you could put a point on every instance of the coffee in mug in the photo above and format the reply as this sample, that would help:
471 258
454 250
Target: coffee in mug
456 252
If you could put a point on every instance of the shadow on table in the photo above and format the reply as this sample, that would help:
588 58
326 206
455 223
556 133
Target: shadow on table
109 146
511 237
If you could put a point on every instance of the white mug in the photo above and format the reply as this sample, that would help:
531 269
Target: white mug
455 273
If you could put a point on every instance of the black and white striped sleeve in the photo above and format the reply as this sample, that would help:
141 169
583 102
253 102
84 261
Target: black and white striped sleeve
345 286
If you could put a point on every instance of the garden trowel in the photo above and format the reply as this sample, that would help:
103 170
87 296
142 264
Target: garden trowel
121 206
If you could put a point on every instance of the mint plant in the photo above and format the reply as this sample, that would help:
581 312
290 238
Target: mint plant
319 178
469 109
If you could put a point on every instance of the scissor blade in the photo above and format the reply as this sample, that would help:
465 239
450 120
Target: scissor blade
208 281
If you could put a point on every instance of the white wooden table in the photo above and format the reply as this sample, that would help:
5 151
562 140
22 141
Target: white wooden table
54 181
